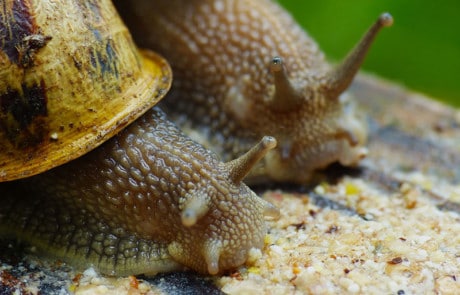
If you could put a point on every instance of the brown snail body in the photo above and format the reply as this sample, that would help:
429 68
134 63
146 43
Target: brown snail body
244 68
150 199
147 200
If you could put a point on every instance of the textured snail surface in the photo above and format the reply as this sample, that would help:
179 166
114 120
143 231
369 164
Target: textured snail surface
243 69
149 200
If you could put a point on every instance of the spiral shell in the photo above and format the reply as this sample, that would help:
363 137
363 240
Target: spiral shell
70 77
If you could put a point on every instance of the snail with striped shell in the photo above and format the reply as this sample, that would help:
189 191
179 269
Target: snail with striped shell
150 199
147 200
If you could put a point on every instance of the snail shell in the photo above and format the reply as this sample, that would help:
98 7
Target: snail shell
147 200
243 69
70 78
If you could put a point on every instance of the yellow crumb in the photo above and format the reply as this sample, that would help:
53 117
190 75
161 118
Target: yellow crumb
351 189
254 270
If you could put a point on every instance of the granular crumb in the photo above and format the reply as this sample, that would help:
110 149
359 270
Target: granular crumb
334 252
396 260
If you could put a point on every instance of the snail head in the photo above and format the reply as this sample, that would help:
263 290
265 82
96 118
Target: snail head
313 122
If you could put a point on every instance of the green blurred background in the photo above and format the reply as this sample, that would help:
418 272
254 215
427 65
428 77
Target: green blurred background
421 50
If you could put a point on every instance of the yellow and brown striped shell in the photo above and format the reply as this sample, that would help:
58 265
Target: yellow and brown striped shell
70 77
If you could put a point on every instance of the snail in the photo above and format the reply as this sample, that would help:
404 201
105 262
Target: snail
243 69
146 198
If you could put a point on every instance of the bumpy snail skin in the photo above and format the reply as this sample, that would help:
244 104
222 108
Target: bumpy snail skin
149 200
244 68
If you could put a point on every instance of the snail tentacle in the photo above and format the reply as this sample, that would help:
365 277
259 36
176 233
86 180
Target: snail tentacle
196 205
339 79
286 96
241 166
270 212
212 251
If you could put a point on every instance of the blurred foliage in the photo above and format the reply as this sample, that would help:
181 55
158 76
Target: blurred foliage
421 50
